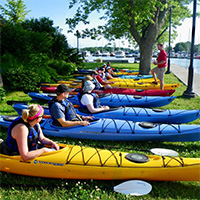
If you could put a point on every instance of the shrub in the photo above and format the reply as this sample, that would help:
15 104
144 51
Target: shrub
21 79
98 60
2 93
62 67
9 61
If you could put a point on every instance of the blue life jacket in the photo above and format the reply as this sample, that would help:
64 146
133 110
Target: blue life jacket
70 113
84 108
97 84
33 136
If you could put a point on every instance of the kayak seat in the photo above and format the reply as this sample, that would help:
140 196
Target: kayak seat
140 83
10 118
139 90
52 95
147 125
4 149
137 157
158 110
93 120
137 97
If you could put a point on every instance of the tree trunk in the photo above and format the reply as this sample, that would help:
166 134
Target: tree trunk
1 81
146 51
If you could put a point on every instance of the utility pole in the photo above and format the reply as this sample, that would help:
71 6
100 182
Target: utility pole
78 36
189 91
170 20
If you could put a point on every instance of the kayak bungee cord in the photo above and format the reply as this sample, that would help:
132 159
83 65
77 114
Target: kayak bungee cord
107 122
173 158
117 155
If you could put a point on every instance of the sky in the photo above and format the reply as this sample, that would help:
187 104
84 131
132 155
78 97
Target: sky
58 11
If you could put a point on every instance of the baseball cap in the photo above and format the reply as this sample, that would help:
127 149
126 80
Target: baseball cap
101 68
88 86
108 67
63 88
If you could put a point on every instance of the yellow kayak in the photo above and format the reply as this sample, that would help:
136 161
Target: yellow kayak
70 81
144 86
121 80
71 84
77 162
126 73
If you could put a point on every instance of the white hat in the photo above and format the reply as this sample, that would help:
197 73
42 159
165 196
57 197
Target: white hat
88 86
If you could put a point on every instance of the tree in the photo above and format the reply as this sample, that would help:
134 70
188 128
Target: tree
143 21
182 46
15 11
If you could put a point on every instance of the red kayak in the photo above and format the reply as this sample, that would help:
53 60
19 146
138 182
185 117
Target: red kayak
48 89
139 92
53 90
126 91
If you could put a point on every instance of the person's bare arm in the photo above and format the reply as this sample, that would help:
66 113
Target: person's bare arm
65 123
20 133
96 110
45 140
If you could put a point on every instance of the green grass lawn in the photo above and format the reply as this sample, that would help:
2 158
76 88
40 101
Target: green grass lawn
23 187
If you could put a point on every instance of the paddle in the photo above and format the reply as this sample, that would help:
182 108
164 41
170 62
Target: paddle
10 103
163 152
134 188
19 102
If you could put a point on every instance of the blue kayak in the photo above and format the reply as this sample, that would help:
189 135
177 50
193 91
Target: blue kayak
119 130
136 76
135 114
114 100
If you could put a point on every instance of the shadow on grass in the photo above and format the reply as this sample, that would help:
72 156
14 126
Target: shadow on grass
160 189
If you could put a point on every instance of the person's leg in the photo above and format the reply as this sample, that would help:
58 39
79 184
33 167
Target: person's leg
154 76
161 73
162 84
107 87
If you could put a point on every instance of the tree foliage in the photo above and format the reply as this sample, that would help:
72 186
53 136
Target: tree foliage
14 11
143 21
30 47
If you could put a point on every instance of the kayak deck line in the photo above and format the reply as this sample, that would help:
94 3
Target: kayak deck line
117 156
132 125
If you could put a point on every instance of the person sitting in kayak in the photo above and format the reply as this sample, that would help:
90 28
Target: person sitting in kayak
101 77
25 136
113 69
97 80
89 102
62 110
109 73
101 73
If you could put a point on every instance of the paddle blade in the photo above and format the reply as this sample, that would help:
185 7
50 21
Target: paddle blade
134 188
163 152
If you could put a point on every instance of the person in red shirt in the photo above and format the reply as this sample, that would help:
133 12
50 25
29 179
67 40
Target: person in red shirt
161 66
102 78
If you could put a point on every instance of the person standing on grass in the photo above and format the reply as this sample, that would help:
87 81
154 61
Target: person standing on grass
161 66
